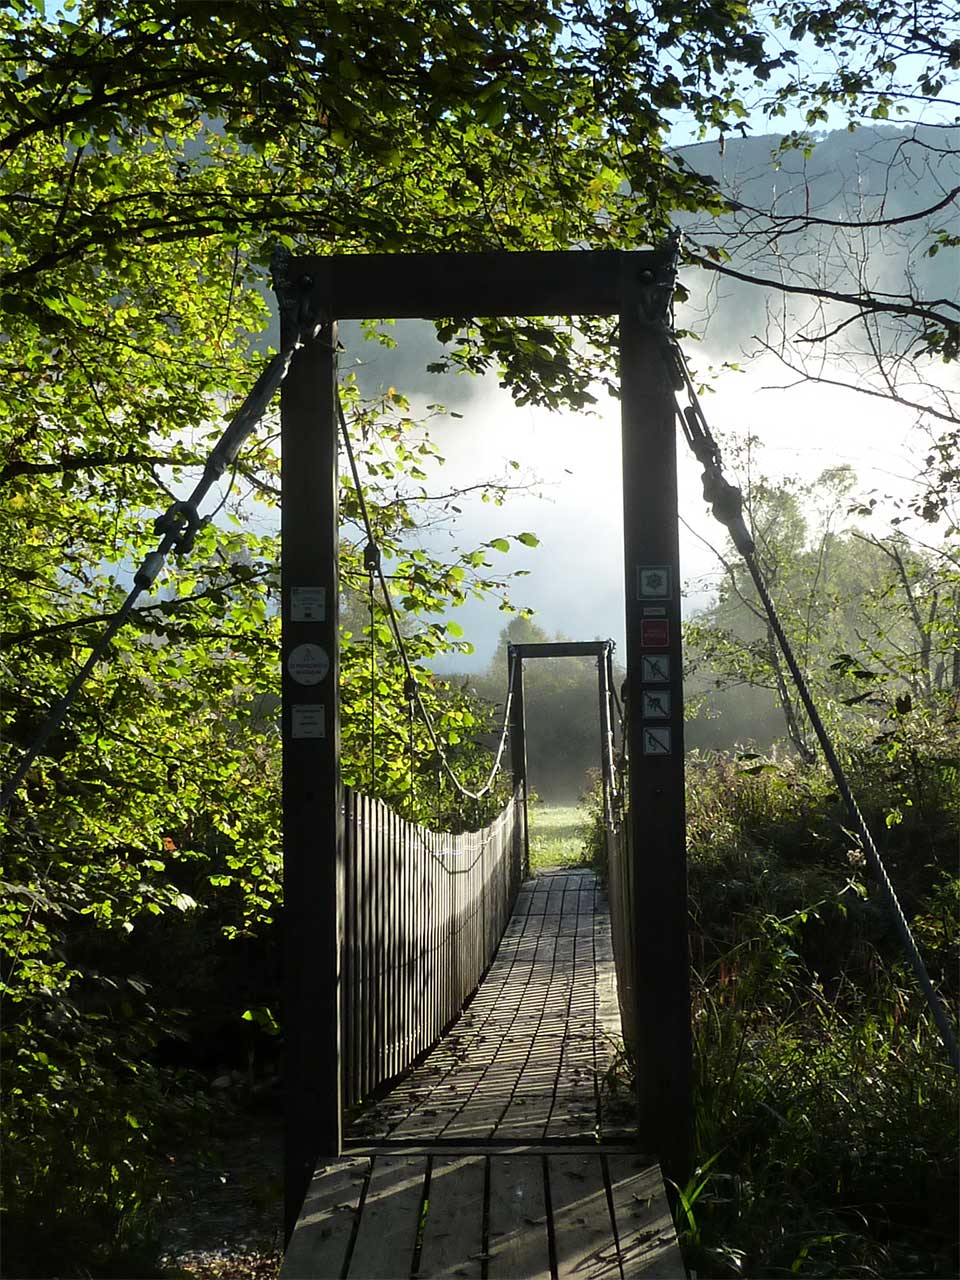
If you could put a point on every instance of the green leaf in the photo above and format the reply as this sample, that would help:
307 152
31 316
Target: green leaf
263 1018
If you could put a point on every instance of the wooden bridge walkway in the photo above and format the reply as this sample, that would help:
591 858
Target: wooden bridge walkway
510 1150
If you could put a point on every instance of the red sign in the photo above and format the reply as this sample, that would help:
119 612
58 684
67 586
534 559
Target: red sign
654 633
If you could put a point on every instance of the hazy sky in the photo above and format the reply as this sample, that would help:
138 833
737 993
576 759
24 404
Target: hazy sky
575 502
576 574
572 462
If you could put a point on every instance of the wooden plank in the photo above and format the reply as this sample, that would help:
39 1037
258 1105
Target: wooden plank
321 1238
426 1122
384 899
607 1006
647 1238
495 1146
432 898
422 975
582 1228
352 1017
477 1119
517 1240
408 946
393 946
422 285
368 959
391 1215
562 649
347 999
453 1230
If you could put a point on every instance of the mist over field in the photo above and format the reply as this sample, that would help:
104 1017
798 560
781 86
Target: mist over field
568 482
564 468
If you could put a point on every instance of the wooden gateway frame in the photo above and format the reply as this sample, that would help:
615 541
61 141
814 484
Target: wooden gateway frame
517 654
637 287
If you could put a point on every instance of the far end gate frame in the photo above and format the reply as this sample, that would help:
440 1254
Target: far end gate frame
517 654
637 287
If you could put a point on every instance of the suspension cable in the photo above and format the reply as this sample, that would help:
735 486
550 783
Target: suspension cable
726 502
408 693
178 525
413 684
371 559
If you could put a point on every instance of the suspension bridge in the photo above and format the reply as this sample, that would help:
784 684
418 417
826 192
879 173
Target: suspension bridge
451 1024
487 1002
497 1155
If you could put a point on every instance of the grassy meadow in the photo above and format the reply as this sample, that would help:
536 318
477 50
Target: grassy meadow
557 835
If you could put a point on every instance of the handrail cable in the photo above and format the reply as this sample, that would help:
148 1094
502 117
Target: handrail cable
726 502
412 685
179 525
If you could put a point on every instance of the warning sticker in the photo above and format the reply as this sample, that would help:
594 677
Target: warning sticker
308 663
655 668
308 720
657 742
654 633
655 704
654 582
308 604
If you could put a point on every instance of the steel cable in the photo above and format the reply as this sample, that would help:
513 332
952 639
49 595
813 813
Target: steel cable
179 525
727 503
413 685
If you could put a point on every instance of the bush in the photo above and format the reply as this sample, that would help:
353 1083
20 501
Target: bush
825 1106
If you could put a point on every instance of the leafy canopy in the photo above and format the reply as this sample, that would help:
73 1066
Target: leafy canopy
151 154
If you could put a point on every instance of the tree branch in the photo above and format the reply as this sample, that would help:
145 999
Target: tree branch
89 462
865 303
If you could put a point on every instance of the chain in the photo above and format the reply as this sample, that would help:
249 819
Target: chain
373 564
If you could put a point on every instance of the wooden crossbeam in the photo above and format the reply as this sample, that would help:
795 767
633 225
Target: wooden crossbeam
430 285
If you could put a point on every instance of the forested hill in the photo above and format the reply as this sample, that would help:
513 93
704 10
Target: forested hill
810 216
841 174
878 171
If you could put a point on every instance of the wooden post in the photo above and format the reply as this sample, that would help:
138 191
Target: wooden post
606 746
657 825
518 743
312 794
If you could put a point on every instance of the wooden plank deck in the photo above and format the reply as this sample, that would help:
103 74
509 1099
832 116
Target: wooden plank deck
507 1152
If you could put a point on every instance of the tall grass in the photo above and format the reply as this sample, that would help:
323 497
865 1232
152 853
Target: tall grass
826 1111
556 835
826 1135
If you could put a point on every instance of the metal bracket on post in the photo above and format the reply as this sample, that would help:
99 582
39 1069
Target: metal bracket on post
654 290
608 782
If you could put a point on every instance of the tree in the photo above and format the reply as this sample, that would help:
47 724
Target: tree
152 154
872 620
